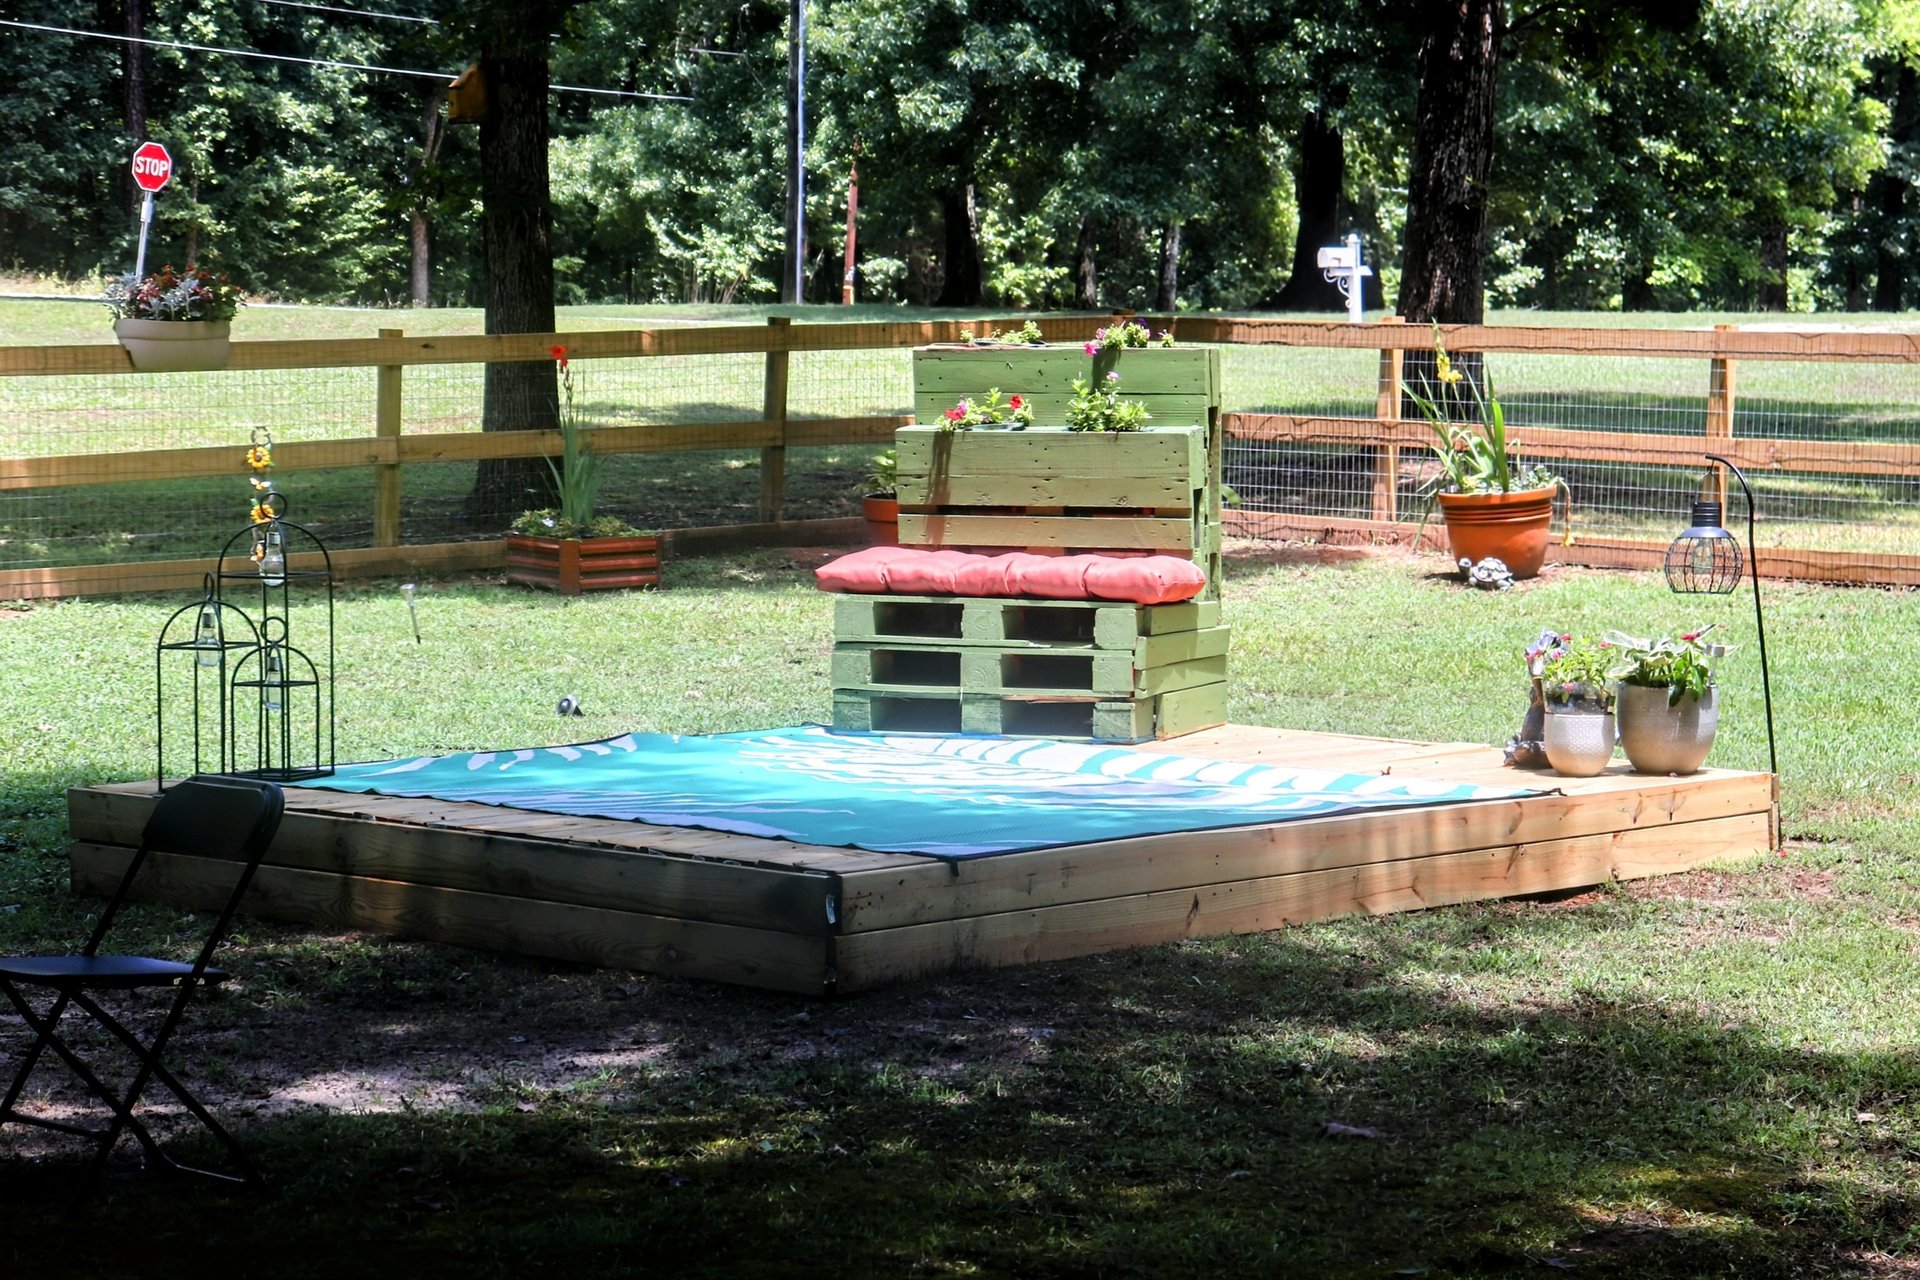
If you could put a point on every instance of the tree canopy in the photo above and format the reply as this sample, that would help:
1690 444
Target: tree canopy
1019 153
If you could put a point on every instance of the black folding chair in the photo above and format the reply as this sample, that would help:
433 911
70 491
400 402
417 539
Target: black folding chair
215 817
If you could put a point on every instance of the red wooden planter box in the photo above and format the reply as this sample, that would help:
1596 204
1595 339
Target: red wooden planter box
572 565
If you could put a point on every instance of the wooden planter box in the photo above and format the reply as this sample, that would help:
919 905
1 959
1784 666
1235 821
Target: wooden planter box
570 566
1179 385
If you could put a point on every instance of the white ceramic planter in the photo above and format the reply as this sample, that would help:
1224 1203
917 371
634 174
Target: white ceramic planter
1666 739
1579 741
174 346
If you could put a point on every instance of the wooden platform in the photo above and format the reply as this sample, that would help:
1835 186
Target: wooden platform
803 918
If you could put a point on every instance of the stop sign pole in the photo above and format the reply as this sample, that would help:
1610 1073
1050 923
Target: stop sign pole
152 168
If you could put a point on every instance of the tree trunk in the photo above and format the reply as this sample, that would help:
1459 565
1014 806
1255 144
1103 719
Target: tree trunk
1443 272
1318 180
961 285
433 131
517 224
1636 285
1890 187
133 61
1163 298
1086 278
1772 292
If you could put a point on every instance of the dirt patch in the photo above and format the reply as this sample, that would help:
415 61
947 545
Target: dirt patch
1777 882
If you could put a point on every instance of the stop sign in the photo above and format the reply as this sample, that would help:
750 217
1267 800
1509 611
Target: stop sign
152 166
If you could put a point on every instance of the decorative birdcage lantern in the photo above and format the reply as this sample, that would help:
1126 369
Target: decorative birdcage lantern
260 704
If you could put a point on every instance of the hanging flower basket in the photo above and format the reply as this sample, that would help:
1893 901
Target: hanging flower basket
174 346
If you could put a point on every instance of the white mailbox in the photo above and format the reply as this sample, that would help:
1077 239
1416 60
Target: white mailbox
1341 265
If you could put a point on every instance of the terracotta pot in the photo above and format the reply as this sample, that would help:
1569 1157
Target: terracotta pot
1511 527
174 346
1666 739
570 566
882 511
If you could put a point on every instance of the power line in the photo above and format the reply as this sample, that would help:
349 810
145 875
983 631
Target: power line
357 13
321 62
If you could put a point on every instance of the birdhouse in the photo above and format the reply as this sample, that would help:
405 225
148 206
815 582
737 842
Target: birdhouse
467 98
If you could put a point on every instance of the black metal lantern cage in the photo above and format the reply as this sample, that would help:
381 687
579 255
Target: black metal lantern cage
272 712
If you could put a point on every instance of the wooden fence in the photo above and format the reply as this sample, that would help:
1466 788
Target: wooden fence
1384 435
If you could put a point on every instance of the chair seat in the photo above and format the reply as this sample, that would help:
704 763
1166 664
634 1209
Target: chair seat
98 971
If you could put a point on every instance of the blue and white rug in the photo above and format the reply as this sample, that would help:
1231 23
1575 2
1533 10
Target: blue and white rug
958 797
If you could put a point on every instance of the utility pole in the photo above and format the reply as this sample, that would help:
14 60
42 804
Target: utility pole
794 287
853 214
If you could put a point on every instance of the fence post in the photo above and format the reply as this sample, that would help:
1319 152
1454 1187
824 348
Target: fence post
386 475
773 457
1720 398
1386 458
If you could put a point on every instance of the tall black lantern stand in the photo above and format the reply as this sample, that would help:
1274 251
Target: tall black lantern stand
1705 560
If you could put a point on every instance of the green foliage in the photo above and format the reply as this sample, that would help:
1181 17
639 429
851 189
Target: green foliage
1578 670
1100 408
988 411
883 473
1681 666
1473 457
193 294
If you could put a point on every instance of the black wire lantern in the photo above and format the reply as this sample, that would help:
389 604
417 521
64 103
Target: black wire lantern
1705 560
246 661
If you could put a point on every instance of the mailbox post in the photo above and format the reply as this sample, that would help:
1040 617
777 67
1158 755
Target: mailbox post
1342 267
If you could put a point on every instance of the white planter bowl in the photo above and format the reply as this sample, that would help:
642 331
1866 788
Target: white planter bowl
174 346
1579 742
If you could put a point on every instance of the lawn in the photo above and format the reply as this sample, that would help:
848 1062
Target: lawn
1709 1074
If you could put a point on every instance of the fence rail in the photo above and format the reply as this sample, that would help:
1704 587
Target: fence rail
1319 448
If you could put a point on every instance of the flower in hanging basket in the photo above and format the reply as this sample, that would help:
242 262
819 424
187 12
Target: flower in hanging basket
193 294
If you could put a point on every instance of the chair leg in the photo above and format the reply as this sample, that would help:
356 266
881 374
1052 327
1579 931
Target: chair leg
151 1068
121 1105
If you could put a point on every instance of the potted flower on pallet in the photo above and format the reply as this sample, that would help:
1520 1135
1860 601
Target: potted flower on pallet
567 549
174 321
1492 507
1577 691
1668 704
881 502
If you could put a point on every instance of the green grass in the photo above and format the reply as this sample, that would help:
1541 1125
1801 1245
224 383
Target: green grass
1705 1075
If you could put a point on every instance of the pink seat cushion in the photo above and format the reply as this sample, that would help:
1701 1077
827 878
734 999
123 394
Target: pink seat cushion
919 571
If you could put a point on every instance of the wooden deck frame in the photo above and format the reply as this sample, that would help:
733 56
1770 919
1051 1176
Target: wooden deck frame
820 921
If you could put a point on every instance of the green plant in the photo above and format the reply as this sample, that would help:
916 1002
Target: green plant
1575 670
883 476
1027 335
991 411
1127 333
1682 667
193 294
1102 409
576 477
1473 456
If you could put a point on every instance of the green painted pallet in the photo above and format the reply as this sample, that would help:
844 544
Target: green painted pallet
1085 719
963 620
1162 468
1179 385
1156 664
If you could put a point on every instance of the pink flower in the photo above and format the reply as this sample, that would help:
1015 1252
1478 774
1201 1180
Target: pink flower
1015 403
1113 375
954 415
1091 348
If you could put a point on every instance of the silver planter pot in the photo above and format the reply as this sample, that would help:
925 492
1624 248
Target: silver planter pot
1666 739
1579 740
